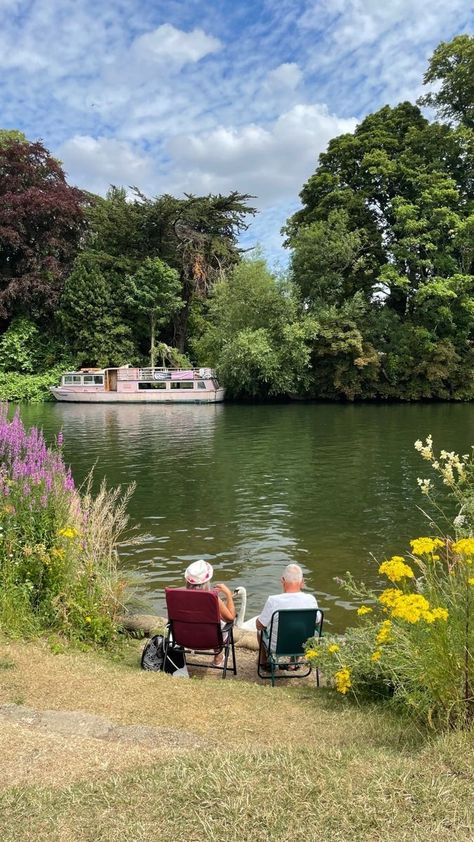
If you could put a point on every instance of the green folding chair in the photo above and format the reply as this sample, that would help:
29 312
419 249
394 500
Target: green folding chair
282 643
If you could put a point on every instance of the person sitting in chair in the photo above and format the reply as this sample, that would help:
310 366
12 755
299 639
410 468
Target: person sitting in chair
292 596
198 577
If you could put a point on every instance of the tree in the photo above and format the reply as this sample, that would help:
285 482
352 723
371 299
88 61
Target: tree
154 292
41 224
452 68
91 317
382 256
253 336
197 236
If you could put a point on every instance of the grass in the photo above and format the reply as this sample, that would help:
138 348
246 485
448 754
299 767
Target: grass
284 764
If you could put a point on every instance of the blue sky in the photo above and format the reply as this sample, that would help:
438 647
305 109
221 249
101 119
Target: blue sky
202 97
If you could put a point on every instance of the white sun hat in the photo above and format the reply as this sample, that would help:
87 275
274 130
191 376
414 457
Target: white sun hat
199 572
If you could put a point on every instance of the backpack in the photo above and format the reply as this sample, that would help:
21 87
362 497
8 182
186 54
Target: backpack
153 655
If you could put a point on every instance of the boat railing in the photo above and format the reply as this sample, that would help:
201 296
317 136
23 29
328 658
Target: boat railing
163 373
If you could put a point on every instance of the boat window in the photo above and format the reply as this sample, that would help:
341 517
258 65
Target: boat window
152 386
201 384
94 379
72 378
183 384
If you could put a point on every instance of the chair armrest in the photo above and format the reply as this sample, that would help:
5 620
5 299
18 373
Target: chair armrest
228 626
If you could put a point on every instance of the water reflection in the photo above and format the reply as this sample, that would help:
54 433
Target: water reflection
251 488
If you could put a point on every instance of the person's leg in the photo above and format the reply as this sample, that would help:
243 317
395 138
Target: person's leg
262 658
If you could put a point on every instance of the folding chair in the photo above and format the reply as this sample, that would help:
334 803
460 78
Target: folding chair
194 625
282 644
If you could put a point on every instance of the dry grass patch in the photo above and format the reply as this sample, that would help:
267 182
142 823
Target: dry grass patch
282 795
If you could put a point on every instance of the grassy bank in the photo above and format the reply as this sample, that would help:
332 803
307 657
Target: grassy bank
207 759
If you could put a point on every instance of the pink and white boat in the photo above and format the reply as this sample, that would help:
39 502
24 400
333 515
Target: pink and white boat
139 385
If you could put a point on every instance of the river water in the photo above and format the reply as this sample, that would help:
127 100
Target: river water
251 488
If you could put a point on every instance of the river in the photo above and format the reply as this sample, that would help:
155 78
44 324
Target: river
251 488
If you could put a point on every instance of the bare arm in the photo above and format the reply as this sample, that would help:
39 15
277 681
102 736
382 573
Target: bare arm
227 608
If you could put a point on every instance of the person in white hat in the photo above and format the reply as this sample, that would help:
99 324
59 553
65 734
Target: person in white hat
198 577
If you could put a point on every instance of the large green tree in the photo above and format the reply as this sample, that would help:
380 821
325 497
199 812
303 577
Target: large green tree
153 293
384 239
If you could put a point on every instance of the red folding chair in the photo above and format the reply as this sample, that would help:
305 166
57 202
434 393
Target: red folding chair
194 625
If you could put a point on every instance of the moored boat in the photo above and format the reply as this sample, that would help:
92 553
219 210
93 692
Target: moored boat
125 384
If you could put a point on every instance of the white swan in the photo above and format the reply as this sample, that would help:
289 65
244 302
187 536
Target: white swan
240 621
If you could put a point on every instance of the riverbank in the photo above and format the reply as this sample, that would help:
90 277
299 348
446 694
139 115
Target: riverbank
95 749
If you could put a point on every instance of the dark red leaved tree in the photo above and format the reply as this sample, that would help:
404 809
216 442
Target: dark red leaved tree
41 224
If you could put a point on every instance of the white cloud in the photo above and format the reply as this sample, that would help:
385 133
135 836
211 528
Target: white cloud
269 161
286 76
96 163
168 44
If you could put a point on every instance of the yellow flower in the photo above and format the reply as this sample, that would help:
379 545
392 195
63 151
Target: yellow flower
389 597
68 532
343 680
424 546
88 619
376 655
465 546
364 609
58 552
333 647
471 581
396 569
385 632
440 613
312 654
412 608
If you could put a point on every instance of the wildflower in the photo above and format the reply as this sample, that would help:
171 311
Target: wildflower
465 546
68 532
389 596
459 521
440 613
364 609
88 619
412 608
425 485
385 632
58 552
333 648
425 450
343 680
471 581
376 655
396 569
312 654
424 546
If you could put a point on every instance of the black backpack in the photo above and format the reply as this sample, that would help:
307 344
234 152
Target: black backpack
153 656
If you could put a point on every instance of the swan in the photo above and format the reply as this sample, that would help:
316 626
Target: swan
240 621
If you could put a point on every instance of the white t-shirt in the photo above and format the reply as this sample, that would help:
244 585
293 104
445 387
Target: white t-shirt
279 602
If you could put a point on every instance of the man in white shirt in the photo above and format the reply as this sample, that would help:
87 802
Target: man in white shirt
292 597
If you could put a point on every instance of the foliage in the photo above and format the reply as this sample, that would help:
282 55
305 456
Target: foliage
35 388
58 547
415 644
153 292
20 347
452 65
41 224
385 234
252 335
90 314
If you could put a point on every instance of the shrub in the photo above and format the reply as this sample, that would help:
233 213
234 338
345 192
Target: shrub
29 387
58 547
415 643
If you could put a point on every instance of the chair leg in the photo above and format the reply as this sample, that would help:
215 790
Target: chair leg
317 677
234 667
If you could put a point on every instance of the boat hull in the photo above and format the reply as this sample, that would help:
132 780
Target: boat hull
155 397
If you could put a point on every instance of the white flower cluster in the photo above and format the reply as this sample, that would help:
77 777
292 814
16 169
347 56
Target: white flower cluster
450 466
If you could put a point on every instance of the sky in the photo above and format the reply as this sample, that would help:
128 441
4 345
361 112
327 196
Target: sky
205 97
